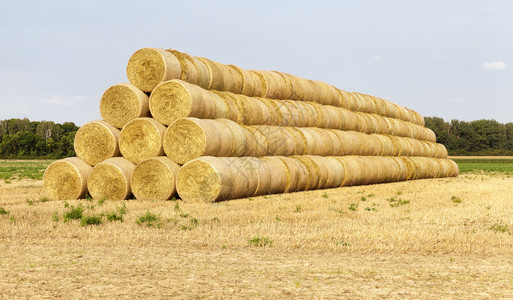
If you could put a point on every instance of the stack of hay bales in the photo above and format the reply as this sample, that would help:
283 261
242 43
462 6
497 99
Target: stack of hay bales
207 131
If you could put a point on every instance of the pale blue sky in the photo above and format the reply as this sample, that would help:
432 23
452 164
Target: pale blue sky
452 59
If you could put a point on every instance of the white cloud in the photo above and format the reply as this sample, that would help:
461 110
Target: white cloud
56 100
494 66
458 100
376 58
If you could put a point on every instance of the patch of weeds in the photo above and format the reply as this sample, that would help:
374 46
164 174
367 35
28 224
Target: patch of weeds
340 211
251 199
297 283
91 220
278 219
116 215
397 202
184 215
399 193
193 223
353 206
344 243
88 198
149 219
363 198
370 208
325 195
102 201
74 213
30 202
44 199
260 242
489 207
370 195
56 217
500 228
298 209
66 204
215 219
456 199
12 219
3 211
7 181
177 206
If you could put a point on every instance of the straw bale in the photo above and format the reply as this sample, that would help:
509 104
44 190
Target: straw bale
238 79
402 175
387 169
380 106
454 168
313 171
346 101
148 67
279 140
387 146
228 74
123 102
189 138
303 113
321 115
272 110
284 113
110 179
141 139
337 172
239 138
298 90
431 136
362 124
205 179
348 119
348 142
279 174
215 75
441 151
295 114
228 103
154 179
96 141
297 179
259 148
176 99
267 116
258 89
189 71
287 90
311 114
336 121
355 170
66 179
299 140
252 110
248 87
330 143
261 167
325 171
203 71
262 81
371 168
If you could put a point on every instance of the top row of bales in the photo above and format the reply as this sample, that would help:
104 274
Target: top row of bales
150 66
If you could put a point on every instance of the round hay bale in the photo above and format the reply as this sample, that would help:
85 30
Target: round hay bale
238 79
365 106
431 136
188 138
279 174
141 139
123 102
287 90
324 171
225 106
267 117
96 141
176 99
261 167
248 82
239 138
257 83
299 140
355 170
259 148
386 146
379 104
235 108
154 179
348 142
271 110
228 77
263 82
298 89
203 71
454 170
303 113
321 115
279 140
337 172
346 101
295 114
348 119
371 167
110 179
250 109
330 144
441 151
313 171
284 113
362 124
411 167
189 71
331 118
387 169
402 169
215 75
148 67
311 114
297 175
205 179
66 179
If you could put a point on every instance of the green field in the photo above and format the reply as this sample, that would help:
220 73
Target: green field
485 165
19 169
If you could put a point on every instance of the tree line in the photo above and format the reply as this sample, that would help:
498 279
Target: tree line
22 138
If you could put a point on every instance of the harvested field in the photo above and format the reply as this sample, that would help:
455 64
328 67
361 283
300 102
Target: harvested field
431 238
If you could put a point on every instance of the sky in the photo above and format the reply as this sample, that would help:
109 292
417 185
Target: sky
451 59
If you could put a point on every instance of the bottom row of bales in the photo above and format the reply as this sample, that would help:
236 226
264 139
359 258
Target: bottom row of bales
211 179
